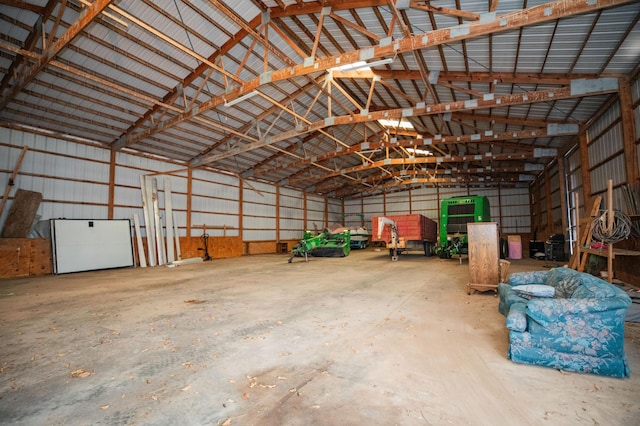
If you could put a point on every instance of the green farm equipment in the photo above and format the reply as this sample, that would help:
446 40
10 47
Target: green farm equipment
324 244
455 213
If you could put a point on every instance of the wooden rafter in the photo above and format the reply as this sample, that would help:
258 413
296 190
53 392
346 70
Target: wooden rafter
534 15
85 18
421 5
484 137
424 160
487 102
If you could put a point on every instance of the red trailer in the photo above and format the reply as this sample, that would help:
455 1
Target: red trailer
415 232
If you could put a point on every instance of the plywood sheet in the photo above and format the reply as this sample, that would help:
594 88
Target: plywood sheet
14 257
261 247
219 247
21 214
40 256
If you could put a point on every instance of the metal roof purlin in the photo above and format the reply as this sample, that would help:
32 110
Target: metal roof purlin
534 15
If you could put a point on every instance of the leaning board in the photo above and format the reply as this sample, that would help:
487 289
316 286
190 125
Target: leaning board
86 245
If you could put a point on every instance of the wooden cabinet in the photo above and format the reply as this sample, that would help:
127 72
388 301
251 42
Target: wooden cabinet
484 256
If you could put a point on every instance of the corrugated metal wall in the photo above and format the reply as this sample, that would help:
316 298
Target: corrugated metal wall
259 212
73 178
214 203
606 154
606 160
74 181
291 214
316 206
509 206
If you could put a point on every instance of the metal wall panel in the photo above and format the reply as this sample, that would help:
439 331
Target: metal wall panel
334 208
258 235
294 202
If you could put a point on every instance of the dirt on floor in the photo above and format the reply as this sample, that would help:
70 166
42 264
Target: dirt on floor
258 341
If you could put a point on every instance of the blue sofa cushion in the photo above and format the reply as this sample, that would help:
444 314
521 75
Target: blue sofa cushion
556 275
535 290
567 286
517 317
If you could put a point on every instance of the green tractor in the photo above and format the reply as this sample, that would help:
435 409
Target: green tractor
455 213
324 244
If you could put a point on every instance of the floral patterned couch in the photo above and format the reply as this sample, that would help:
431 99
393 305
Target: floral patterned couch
580 328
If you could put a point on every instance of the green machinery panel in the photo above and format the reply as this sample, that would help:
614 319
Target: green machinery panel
455 213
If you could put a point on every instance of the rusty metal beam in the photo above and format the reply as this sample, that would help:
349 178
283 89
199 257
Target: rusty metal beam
85 18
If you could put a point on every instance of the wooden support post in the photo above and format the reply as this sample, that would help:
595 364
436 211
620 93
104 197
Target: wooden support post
241 209
549 202
112 184
189 200
563 194
306 226
585 170
277 213
628 132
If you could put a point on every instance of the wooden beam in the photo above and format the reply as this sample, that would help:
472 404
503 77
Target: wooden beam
30 42
475 77
585 171
549 202
564 193
354 26
85 18
486 102
316 41
315 7
628 132
535 15
445 11
421 160
288 40
189 200
112 184
486 137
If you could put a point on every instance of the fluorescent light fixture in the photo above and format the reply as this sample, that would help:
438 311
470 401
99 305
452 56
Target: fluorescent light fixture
240 99
418 151
362 65
396 123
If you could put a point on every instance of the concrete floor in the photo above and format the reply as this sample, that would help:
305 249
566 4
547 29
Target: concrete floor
258 341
